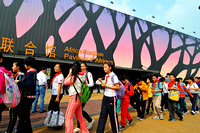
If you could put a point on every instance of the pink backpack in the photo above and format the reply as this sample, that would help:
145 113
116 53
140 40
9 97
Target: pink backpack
12 96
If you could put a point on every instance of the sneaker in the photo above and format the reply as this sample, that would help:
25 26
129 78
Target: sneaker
76 130
141 119
165 109
138 118
197 112
155 117
129 122
90 124
181 118
192 112
185 113
161 117
34 111
121 128
43 111
172 120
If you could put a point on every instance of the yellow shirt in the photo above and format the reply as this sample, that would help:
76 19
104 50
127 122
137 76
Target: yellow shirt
149 90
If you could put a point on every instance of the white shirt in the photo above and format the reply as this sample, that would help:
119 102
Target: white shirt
90 78
59 79
194 85
98 82
165 88
41 78
110 92
77 84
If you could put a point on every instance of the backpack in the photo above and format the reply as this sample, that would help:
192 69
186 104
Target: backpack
12 96
174 94
129 86
121 91
85 92
91 88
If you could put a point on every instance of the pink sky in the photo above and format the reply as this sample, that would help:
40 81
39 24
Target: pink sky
123 55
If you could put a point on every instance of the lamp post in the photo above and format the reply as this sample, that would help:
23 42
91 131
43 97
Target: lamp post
181 28
166 23
151 17
111 2
133 10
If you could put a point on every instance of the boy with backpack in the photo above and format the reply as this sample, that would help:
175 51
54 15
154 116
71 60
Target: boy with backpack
183 108
174 88
141 90
125 103
157 90
2 85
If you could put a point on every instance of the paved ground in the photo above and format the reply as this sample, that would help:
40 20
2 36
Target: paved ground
190 123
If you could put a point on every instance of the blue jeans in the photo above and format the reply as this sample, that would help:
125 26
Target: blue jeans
193 101
182 105
40 91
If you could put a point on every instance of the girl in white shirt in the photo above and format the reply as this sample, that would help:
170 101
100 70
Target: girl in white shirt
75 106
109 101
193 88
90 84
57 88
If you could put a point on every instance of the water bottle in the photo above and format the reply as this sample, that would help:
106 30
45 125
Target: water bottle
10 89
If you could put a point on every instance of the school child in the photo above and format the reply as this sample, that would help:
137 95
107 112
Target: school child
164 101
142 97
173 107
90 84
28 85
13 112
156 87
150 95
181 102
75 106
109 101
193 88
197 81
57 89
125 103
2 85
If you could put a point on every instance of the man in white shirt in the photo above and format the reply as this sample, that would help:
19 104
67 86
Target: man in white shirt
40 90
98 85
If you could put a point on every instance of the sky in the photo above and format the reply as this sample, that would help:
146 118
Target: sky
180 13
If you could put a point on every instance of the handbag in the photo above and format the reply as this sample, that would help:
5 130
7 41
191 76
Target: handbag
54 119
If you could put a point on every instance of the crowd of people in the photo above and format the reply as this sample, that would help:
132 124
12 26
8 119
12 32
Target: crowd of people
151 95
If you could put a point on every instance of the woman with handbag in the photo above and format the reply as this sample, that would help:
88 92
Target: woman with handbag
75 79
57 89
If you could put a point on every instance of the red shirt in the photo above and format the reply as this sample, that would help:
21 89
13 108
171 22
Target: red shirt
128 93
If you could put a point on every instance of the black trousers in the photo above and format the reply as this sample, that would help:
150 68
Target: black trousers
2 108
85 115
98 88
108 107
150 104
54 105
133 101
140 104
173 107
24 123
164 102
14 112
